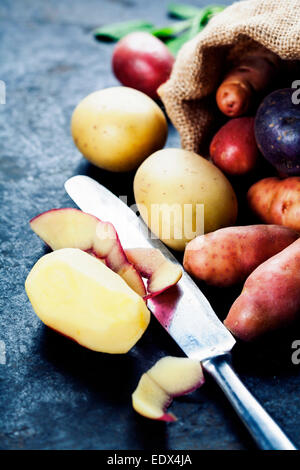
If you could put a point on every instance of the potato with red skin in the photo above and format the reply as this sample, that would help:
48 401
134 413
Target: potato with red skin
143 62
233 148
249 77
270 297
277 201
227 256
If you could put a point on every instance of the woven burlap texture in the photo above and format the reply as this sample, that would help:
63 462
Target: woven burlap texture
189 94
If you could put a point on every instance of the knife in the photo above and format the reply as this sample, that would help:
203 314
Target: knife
194 325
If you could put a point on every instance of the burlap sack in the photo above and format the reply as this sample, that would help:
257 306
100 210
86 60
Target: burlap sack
189 94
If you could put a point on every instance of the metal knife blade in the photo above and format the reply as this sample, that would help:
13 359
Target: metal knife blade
192 323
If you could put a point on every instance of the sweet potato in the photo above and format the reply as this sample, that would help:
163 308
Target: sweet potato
249 77
270 298
227 256
277 201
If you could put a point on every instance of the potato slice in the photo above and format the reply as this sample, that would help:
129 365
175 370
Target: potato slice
168 378
77 295
72 228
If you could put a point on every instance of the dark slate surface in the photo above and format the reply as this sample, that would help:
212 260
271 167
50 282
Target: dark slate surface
53 393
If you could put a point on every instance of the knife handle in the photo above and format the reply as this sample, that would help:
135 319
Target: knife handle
266 433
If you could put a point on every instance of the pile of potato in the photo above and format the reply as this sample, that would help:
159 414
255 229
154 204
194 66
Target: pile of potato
123 129
119 129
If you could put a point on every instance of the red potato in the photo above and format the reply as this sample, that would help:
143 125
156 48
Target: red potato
233 148
270 297
143 62
251 76
227 256
277 201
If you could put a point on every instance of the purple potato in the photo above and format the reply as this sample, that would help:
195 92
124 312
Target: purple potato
277 131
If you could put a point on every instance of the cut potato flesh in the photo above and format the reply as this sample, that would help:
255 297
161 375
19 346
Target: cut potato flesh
75 294
151 263
177 375
151 400
72 228
169 377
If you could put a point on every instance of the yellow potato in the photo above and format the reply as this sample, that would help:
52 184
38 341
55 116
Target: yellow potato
80 297
117 128
180 195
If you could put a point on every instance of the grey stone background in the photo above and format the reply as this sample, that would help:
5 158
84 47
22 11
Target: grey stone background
53 393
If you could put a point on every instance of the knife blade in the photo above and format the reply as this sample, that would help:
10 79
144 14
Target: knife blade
192 323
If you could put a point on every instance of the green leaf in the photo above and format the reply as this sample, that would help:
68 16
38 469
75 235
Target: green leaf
209 12
175 44
184 12
202 18
174 34
172 29
116 31
198 23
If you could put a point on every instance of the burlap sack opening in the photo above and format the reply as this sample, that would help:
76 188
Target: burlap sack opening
189 94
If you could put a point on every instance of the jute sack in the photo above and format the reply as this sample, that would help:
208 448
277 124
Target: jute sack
189 94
